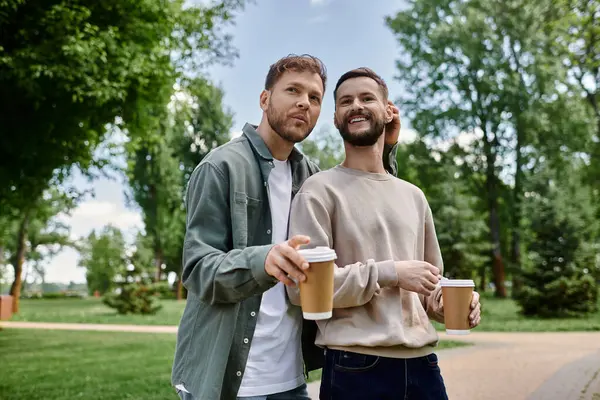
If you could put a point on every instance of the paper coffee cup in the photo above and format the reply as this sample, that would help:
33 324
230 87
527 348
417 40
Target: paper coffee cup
316 292
457 295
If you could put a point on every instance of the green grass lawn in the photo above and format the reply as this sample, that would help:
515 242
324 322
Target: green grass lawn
52 365
498 315
93 311
502 315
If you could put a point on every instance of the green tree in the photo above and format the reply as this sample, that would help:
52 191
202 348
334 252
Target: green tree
24 235
578 47
160 163
562 269
104 257
69 68
461 230
482 68
325 147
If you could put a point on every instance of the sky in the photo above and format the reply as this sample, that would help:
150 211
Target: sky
345 34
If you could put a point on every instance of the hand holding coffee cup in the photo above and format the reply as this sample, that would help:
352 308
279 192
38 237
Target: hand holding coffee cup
316 291
284 260
461 307
417 276
475 315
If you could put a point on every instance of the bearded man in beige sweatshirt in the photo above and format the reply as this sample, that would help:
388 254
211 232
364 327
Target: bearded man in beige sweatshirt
379 343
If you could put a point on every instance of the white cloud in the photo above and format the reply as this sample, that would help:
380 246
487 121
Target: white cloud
88 216
96 214
315 3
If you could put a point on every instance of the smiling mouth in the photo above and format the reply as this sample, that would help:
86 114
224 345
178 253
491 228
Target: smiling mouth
357 119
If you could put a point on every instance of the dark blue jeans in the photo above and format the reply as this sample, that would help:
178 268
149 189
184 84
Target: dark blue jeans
353 376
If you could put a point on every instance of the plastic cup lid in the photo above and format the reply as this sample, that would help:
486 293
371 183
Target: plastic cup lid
318 254
445 282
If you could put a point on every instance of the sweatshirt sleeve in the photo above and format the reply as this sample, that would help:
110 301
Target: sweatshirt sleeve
354 284
433 256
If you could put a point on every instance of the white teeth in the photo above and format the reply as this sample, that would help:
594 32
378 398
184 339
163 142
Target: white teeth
358 119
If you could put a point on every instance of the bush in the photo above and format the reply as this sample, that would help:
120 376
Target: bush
134 298
559 278
165 291
53 295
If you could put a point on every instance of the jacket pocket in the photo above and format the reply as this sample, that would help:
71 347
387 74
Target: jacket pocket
244 214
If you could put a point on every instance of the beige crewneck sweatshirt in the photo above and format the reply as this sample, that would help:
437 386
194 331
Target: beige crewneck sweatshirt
371 220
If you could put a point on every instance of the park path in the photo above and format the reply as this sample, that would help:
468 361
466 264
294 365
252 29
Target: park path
515 366
520 366
90 327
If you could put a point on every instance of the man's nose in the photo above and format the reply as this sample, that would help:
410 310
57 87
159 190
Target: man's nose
357 104
303 102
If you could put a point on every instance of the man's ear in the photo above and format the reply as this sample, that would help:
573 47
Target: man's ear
264 99
335 121
389 114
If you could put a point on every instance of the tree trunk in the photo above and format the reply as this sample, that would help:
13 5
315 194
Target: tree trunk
517 214
494 220
179 287
18 261
482 281
158 257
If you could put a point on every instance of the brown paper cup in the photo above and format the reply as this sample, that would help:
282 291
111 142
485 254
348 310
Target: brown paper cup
316 292
457 294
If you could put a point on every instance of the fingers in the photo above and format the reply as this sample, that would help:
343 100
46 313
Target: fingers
475 315
474 300
283 278
293 257
475 322
297 241
429 284
432 268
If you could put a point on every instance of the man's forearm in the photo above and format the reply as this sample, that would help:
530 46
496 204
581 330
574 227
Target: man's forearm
217 277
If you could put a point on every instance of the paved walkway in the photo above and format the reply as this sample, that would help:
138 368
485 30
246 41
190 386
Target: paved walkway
520 366
515 366
90 327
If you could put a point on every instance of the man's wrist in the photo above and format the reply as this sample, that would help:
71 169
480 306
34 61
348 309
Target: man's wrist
386 273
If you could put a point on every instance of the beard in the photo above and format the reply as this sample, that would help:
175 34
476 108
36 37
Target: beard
367 137
287 128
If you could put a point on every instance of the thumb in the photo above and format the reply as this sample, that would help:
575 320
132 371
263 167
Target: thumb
298 240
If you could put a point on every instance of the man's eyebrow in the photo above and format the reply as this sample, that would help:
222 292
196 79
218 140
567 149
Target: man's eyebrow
365 93
302 86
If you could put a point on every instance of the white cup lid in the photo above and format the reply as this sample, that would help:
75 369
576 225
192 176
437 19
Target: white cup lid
445 282
318 254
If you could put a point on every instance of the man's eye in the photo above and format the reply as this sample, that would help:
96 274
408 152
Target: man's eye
293 90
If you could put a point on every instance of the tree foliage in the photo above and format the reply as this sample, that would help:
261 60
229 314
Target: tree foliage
563 266
104 257
69 68
485 69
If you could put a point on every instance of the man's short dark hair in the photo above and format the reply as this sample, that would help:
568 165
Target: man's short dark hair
292 62
358 73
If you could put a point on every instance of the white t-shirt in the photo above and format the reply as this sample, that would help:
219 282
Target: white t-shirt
275 359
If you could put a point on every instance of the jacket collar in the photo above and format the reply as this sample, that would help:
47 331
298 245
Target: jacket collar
260 147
